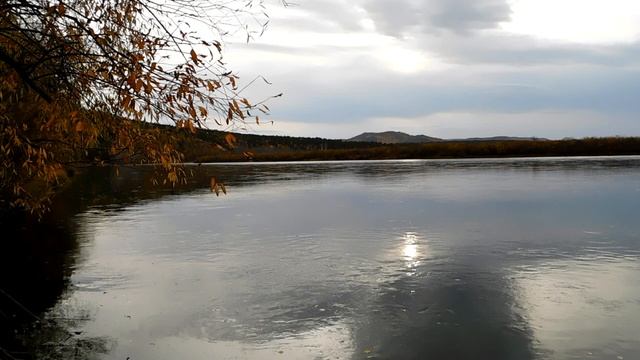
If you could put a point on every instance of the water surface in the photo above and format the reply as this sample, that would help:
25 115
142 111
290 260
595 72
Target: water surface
448 259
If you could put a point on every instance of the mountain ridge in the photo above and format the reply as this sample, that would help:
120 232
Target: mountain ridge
398 137
392 137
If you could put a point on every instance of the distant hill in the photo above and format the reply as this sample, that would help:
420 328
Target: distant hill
393 137
397 137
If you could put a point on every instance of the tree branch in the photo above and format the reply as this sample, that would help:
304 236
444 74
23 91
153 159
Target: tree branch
15 65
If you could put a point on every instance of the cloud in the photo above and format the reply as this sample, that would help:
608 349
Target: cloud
456 31
393 17
463 16
343 94
524 50
576 21
458 16
342 13
555 124
344 63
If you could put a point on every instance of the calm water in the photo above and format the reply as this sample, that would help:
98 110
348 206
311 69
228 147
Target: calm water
469 259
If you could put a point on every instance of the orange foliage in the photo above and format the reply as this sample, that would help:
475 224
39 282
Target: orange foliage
81 80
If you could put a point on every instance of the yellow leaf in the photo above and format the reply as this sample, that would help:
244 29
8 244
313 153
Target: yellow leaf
214 186
173 177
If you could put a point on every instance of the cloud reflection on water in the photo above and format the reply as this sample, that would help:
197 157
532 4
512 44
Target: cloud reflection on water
570 303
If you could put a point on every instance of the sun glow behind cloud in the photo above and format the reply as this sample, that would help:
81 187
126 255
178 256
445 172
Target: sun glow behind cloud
403 60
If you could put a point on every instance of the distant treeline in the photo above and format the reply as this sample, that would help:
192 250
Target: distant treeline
274 143
436 150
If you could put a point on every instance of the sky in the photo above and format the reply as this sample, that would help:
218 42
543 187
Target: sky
447 68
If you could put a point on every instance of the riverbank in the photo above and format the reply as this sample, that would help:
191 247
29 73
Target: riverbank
436 150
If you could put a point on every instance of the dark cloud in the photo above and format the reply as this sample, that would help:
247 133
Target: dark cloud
345 14
505 49
586 88
457 16
462 16
393 17
452 29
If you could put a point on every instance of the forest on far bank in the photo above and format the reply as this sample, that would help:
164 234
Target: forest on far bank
248 147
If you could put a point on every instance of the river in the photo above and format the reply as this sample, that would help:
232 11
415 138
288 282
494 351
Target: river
439 259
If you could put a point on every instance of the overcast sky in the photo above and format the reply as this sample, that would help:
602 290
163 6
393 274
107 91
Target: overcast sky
448 68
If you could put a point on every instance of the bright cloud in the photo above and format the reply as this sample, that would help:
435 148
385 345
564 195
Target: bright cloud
582 21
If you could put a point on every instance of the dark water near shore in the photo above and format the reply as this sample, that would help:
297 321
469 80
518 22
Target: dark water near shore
455 259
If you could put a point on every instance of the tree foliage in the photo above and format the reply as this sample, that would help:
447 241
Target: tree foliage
80 80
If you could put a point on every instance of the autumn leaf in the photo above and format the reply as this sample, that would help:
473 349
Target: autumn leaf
80 126
172 177
131 80
114 65
229 115
214 185
194 56
230 139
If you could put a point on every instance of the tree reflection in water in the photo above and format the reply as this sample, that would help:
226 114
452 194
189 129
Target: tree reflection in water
36 260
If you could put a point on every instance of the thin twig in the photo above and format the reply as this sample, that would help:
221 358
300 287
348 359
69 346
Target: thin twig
20 305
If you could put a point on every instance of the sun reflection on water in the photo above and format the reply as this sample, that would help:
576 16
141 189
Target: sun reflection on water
412 249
